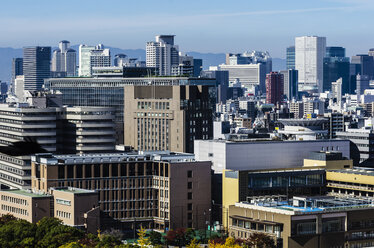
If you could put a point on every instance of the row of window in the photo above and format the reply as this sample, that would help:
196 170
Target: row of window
14 200
14 210
63 214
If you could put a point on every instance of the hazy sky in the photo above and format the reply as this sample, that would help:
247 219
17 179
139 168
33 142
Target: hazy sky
199 25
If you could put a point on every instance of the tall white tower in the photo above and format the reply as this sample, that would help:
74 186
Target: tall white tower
162 54
309 54
64 59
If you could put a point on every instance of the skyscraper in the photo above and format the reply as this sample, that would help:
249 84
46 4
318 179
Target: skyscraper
364 64
274 88
290 78
36 66
64 60
335 66
92 56
309 54
290 57
162 54
17 68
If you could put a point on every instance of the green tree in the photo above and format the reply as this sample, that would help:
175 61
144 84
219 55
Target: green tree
58 235
155 238
108 241
17 233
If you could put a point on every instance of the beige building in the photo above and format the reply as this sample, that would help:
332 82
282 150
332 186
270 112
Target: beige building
154 189
167 117
306 222
24 204
75 207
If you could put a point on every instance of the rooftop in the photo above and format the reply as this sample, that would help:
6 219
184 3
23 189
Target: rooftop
51 159
27 193
73 190
306 205
357 171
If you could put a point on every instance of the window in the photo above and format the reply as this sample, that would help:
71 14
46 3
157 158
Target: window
189 185
189 196
189 216
189 207
189 174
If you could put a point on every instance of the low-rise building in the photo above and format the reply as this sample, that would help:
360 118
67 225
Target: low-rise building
159 190
319 221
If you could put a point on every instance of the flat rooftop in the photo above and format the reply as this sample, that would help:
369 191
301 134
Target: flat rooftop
268 140
27 193
357 171
50 159
74 190
306 205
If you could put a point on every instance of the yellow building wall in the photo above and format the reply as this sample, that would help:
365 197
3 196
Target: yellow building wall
230 195
329 165
349 178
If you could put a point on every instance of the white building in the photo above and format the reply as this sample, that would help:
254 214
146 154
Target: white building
162 54
262 155
64 59
249 75
92 56
309 54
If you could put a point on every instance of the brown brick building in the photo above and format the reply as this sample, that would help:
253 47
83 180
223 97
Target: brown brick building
157 190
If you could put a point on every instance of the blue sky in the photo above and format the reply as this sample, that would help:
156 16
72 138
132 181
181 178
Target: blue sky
203 26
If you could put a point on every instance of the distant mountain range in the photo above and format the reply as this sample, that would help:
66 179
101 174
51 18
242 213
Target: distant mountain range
209 59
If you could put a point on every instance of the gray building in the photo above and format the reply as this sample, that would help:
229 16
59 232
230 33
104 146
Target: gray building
162 54
17 123
109 92
290 57
364 140
290 83
262 155
17 68
222 78
36 66
64 60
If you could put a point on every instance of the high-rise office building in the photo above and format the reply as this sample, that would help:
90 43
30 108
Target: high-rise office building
336 89
364 65
274 88
222 79
92 56
290 78
17 68
120 59
36 66
167 117
108 92
290 57
64 60
162 54
335 66
362 84
309 54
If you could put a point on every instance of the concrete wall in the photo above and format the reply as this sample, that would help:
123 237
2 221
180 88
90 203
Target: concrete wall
262 155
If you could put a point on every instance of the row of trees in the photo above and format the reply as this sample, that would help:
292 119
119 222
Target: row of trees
51 233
